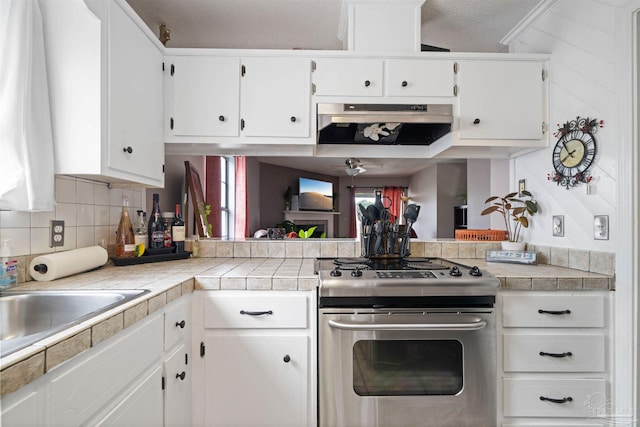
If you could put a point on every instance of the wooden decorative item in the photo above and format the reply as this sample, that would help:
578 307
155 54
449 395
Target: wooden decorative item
195 194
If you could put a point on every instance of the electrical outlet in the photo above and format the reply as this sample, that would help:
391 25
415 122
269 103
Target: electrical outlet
601 227
558 225
57 234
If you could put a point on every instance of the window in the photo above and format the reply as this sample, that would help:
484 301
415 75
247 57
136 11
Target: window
227 192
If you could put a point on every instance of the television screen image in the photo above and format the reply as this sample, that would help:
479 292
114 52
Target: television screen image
315 195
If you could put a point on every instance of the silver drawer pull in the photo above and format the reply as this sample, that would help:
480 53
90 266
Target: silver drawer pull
470 326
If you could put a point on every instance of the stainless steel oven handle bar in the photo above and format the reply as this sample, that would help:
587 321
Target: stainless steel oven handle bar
470 326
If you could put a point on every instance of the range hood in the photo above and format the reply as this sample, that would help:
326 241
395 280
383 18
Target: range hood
383 124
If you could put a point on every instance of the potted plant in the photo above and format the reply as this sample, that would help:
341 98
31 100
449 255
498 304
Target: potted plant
513 210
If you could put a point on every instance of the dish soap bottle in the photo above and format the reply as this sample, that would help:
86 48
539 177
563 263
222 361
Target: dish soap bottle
9 272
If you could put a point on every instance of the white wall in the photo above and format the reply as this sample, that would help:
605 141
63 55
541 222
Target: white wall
434 189
580 36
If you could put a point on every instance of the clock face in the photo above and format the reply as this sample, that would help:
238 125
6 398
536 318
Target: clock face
574 153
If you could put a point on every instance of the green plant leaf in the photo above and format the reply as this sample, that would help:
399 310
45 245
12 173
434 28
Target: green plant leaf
491 199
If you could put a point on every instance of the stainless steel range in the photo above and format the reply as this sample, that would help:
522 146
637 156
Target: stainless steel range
406 342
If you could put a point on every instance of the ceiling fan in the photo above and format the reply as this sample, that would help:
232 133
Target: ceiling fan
354 166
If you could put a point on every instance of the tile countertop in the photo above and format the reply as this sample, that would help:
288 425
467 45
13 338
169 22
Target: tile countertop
169 280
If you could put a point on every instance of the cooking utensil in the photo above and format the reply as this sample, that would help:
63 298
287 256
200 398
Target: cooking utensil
410 216
379 227
392 236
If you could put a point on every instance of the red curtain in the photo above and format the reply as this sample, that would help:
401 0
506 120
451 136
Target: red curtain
212 193
241 217
352 213
394 194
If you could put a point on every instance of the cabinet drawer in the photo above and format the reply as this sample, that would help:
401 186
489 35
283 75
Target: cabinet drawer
562 311
554 353
255 311
177 322
579 397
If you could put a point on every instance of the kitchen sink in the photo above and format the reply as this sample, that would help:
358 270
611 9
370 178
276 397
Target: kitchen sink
29 316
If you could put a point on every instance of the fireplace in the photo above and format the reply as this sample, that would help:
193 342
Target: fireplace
308 219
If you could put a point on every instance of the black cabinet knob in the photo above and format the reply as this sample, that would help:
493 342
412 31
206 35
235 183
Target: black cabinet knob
181 324
367 83
182 375
128 150
286 358
293 119
221 118
476 122
404 83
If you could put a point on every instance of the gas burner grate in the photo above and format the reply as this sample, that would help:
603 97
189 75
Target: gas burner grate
389 264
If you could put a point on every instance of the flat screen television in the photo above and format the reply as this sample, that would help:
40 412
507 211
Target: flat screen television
315 195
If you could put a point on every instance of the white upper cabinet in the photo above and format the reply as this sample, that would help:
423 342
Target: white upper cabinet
210 96
275 97
205 95
105 76
420 77
348 77
501 99
378 77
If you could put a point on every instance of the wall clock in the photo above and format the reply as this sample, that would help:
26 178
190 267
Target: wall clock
574 153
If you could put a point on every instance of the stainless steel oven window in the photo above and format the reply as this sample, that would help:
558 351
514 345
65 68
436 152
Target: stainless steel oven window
407 367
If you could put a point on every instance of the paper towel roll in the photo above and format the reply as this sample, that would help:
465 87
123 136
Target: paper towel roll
61 264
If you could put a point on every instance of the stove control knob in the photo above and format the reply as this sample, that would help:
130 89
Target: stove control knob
455 271
475 271
335 273
356 273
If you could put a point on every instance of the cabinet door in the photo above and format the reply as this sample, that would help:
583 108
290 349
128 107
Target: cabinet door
135 100
275 97
205 93
177 391
348 77
406 77
256 380
140 407
177 322
501 99
23 409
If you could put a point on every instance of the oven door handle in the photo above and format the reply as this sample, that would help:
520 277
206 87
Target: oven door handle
462 326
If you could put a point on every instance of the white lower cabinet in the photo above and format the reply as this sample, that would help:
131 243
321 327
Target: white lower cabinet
554 358
127 380
255 367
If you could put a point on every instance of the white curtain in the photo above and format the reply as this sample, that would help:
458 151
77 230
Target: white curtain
26 140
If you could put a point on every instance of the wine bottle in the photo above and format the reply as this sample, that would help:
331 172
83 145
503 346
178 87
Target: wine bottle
125 241
156 225
167 218
178 231
140 232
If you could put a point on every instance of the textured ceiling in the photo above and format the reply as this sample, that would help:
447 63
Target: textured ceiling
459 25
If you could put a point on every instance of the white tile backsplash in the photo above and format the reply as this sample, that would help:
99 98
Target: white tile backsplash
90 210
65 189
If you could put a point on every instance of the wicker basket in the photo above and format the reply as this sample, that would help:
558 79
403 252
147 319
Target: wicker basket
482 235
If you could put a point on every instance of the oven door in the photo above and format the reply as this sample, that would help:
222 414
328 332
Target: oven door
407 368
